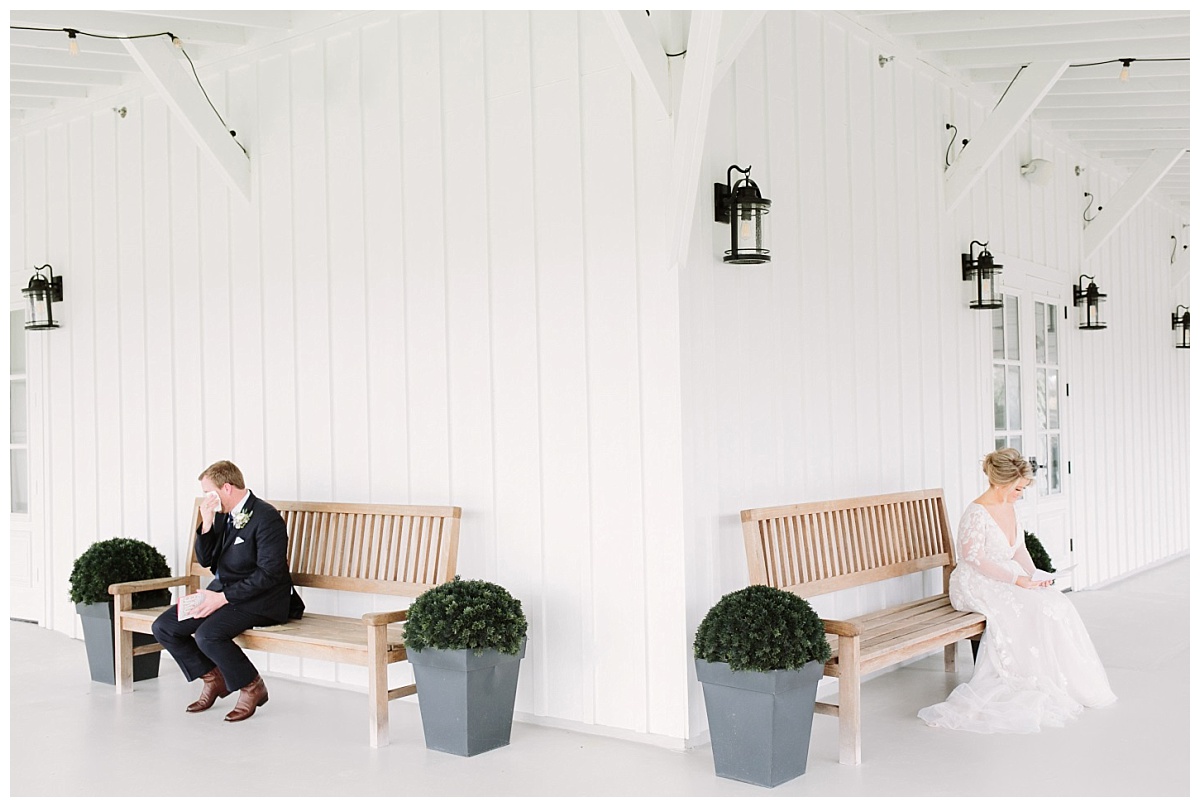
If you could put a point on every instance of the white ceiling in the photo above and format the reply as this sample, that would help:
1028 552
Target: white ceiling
46 79
1112 120
1118 122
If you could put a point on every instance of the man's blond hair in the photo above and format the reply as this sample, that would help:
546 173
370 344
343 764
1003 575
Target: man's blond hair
222 473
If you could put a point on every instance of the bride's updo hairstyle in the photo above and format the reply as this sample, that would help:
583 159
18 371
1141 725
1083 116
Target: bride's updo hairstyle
1005 466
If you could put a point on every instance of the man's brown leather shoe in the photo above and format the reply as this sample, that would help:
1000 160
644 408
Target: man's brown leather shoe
214 687
252 696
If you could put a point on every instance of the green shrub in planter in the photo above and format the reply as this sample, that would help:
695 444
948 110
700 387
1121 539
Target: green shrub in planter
760 653
761 628
117 560
1038 553
466 639
466 615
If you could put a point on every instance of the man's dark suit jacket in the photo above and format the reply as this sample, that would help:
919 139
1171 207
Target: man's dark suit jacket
251 563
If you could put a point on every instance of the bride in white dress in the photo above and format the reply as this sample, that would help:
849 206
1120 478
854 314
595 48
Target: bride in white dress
1037 666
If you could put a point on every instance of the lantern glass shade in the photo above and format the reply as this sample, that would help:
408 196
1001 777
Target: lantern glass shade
1182 324
40 296
1089 302
748 222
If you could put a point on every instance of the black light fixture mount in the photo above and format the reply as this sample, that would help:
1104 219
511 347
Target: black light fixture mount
40 296
983 270
743 207
1088 301
1183 324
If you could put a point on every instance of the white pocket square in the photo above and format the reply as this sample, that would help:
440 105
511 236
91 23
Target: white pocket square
237 541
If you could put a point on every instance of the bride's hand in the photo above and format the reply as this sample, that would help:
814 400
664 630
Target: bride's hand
1027 582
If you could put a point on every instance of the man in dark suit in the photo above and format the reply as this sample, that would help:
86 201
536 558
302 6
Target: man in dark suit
243 540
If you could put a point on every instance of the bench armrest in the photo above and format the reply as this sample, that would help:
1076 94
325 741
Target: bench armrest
117 589
840 628
385 617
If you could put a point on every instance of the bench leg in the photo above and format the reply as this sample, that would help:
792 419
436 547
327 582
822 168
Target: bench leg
377 684
951 654
123 649
849 702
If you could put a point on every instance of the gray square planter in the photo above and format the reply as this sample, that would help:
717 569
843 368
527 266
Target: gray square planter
100 641
760 723
466 700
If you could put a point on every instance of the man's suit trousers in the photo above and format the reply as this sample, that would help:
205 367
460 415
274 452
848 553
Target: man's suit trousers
198 645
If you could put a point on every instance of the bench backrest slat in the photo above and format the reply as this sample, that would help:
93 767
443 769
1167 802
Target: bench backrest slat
372 548
819 547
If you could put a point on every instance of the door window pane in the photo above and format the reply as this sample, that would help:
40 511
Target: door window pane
999 397
1039 331
1055 465
16 343
997 333
17 416
19 466
1052 334
1052 398
1012 350
1013 394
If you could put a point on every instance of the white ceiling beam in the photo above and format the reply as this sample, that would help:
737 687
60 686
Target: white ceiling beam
1111 85
1100 72
932 22
119 23
1127 197
691 124
160 62
1023 97
57 75
24 102
1147 98
638 43
39 90
38 57
1119 33
1065 114
1167 47
736 29
270 20
1124 124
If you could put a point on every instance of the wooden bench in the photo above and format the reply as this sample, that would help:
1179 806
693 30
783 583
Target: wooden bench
367 548
811 549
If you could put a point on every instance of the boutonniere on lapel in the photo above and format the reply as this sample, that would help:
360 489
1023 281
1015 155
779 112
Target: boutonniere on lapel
241 519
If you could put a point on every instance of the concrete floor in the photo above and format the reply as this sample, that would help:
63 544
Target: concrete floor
72 737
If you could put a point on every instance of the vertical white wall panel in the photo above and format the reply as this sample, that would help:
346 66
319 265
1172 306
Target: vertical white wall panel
558 136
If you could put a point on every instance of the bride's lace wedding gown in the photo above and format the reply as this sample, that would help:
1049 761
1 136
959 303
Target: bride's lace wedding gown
1037 666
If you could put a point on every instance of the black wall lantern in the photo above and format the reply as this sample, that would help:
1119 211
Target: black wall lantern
743 208
40 296
1089 311
983 271
1183 324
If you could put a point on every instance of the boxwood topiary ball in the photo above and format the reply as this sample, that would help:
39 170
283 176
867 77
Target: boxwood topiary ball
466 615
117 560
761 628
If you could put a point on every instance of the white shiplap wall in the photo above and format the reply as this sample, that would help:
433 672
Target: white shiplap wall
445 290
451 287
851 365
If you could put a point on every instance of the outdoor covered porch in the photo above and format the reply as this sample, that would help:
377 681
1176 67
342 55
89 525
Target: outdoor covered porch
308 741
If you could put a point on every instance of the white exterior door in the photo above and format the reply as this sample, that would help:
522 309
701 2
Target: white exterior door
27 597
1029 392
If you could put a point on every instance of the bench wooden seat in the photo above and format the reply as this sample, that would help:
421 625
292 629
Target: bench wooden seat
817 548
366 548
